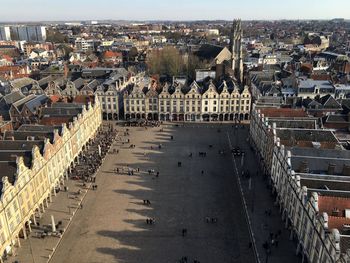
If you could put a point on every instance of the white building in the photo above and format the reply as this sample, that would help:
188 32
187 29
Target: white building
193 103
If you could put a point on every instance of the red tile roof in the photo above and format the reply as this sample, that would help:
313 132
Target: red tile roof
54 121
329 203
337 222
84 99
111 54
283 112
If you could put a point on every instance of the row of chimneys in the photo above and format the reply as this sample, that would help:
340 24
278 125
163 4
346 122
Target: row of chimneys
304 168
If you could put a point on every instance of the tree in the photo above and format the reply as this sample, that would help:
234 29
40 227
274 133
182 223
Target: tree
194 63
133 53
167 61
56 37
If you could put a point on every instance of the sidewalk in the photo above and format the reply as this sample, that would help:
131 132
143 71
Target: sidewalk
264 215
38 249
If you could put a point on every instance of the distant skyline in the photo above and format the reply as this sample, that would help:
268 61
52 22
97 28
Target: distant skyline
47 10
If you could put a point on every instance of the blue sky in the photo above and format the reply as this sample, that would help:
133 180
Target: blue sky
35 10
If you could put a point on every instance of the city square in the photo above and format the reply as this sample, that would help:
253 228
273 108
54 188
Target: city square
112 225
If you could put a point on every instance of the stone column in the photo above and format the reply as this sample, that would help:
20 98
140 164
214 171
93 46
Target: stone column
34 219
24 232
18 241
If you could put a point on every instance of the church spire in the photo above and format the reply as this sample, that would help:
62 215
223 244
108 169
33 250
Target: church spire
236 49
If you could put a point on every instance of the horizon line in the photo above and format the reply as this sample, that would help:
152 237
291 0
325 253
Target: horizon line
172 20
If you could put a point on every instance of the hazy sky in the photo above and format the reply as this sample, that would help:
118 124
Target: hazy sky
34 10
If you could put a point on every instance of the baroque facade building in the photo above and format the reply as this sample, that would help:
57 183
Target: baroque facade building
224 102
306 166
108 90
33 167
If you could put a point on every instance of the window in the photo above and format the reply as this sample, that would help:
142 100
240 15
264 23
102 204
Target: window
247 101
215 102
247 107
214 108
206 109
206 102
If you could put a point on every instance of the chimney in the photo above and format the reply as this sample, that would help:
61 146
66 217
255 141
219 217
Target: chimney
335 212
331 168
303 167
346 170
66 70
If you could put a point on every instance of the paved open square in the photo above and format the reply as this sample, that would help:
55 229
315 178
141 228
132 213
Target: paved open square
112 227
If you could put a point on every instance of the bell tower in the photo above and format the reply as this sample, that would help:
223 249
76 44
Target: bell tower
236 50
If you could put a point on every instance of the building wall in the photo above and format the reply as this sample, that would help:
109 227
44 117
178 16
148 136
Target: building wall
192 106
298 213
34 186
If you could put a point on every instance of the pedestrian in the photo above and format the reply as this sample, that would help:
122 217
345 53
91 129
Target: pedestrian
157 175
81 206
118 170
184 232
202 172
138 170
